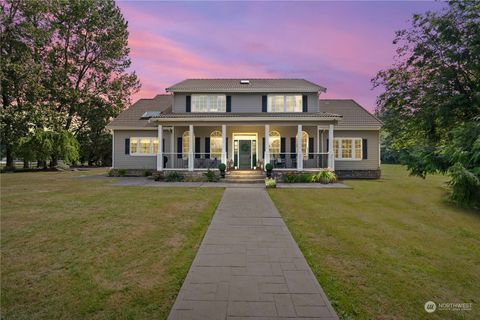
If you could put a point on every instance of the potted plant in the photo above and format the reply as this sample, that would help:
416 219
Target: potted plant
222 167
269 168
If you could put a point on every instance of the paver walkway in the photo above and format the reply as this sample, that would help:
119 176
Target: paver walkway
248 266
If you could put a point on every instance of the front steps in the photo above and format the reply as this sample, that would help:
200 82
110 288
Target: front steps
245 176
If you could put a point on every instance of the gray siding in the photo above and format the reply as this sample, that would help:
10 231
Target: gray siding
372 161
125 161
244 102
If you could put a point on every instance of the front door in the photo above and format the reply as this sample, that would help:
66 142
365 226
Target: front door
245 154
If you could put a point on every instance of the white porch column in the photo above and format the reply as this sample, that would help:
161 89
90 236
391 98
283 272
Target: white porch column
267 143
299 148
173 156
160 149
318 140
224 144
190 148
331 158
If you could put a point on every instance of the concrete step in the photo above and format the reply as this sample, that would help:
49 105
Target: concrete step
245 173
259 176
227 180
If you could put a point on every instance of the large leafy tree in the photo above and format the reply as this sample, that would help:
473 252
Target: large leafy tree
432 94
80 66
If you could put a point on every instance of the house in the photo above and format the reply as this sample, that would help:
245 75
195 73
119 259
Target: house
246 123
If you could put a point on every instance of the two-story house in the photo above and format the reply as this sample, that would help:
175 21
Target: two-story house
246 123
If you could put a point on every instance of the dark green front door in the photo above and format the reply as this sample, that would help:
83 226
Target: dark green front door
245 154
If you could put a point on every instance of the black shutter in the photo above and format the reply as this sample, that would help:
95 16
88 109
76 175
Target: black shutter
328 146
188 107
226 146
282 147
364 149
310 148
293 148
207 148
127 146
263 147
229 103
264 103
304 103
179 148
197 147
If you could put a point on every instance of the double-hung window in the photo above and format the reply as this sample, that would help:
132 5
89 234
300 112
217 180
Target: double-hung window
209 103
348 148
284 103
143 146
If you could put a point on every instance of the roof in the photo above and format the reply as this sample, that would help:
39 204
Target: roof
354 115
244 116
133 116
253 85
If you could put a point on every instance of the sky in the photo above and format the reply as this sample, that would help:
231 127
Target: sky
338 45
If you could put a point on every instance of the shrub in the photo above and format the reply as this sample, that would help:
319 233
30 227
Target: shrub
174 176
121 173
270 183
111 173
147 173
269 167
211 176
325 176
297 177
465 186
222 167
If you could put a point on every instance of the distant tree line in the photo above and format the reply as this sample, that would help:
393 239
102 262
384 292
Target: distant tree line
431 102
63 76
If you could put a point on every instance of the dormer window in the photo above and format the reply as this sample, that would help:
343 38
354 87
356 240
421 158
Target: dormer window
284 103
208 103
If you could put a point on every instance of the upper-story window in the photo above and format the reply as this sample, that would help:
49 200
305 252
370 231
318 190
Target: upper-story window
284 103
208 103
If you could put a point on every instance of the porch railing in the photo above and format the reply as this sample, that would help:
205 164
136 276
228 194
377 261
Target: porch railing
288 160
179 161
206 160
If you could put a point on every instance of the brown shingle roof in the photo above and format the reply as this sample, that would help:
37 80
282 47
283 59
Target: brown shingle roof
132 117
354 115
254 85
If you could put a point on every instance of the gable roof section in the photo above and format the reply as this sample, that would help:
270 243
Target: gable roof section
133 116
354 115
254 85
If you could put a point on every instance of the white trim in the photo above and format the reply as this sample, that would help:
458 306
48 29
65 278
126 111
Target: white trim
113 149
138 154
331 153
190 148
340 158
224 144
299 147
269 107
267 145
209 102
252 136
159 148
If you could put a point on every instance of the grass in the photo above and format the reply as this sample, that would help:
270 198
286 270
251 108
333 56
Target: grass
385 247
78 248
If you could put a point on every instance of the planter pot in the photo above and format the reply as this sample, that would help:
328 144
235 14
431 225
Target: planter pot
222 174
269 174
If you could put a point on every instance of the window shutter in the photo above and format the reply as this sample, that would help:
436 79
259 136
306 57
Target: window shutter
188 107
207 148
282 147
226 146
364 149
293 148
310 148
263 147
179 148
304 103
197 147
229 103
328 145
264 103
127 146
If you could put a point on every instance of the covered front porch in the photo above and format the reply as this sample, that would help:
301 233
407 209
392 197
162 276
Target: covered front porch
286 146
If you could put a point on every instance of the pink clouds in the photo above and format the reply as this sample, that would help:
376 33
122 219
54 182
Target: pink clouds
338 45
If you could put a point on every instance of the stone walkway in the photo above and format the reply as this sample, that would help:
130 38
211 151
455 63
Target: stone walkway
249 267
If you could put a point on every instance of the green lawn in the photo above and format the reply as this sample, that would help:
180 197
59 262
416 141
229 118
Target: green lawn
385 247
77 248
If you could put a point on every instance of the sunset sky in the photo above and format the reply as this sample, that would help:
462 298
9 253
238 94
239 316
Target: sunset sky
339 45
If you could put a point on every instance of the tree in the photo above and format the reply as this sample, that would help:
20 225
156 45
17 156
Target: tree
64 67
432 92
